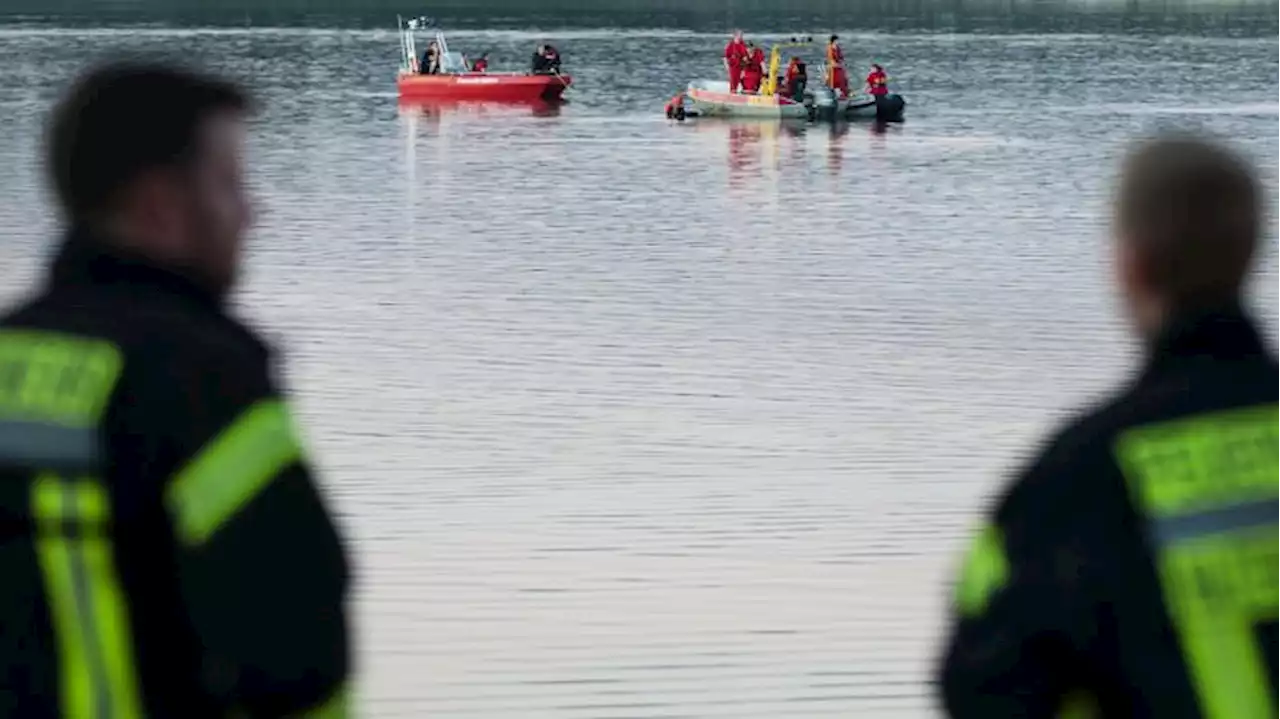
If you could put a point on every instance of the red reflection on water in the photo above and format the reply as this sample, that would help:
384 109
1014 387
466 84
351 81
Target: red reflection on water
436 109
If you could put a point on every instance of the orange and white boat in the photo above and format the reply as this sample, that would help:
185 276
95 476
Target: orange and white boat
456 82
712 98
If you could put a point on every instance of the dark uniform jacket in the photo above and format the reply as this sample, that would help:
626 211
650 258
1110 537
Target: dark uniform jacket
1131 571
163 548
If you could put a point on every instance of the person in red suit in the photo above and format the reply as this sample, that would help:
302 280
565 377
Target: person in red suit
837 78
753 71
793 85
877 81
735 59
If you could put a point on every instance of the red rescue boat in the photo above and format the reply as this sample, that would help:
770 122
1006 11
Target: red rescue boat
482 87
455 81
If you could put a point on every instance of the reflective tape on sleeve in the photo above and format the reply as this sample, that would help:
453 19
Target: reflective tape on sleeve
985 571
337 706
231 470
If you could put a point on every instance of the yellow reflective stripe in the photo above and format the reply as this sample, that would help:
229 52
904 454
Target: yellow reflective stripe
986 571
1202 462
97 676
231 470
1078 705
54 555
336 706
56 378
1207 486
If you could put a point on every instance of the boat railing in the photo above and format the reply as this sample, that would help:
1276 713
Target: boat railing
451 63
408 44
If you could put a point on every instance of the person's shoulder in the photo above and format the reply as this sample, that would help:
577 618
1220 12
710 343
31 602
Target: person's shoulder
202 343
1073 469
193 346
202 375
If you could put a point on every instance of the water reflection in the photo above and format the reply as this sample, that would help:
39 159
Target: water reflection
754 146
835 146
437 109
760 148
744 156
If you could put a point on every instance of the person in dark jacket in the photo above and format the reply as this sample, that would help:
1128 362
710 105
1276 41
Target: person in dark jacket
538 64
546 60
1130 570
164 548
430 64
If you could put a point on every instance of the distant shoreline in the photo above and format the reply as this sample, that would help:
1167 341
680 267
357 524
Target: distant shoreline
1234 17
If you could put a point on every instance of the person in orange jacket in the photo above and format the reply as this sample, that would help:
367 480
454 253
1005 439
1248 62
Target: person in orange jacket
735 59
753 71
837 78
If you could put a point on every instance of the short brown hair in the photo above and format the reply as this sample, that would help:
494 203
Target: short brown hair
1194 208
123 118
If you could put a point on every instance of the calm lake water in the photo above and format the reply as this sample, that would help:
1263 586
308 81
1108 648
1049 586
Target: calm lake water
626 418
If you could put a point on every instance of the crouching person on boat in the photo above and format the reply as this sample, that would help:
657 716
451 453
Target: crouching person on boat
796 78
539 65
480 64
546 60
753 71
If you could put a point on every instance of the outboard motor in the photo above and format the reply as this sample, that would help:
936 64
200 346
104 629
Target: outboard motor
822 102
890 108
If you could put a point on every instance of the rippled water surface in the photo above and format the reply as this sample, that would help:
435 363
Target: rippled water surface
634 419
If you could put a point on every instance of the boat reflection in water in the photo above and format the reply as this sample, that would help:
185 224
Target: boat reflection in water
436 109
758 147
835 147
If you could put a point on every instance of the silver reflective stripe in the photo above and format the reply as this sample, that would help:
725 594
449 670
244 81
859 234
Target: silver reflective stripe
1233 518
48 446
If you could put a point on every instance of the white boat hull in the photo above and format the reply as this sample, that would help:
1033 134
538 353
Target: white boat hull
713 99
